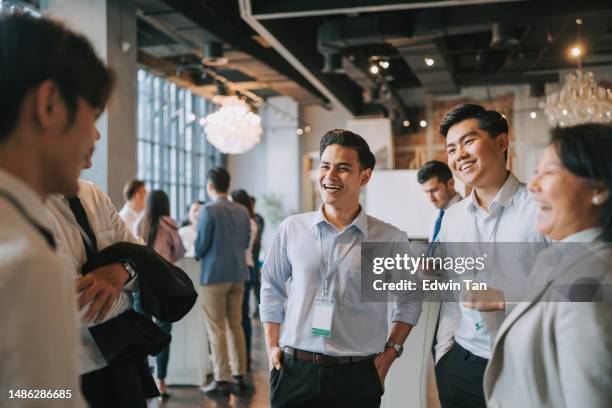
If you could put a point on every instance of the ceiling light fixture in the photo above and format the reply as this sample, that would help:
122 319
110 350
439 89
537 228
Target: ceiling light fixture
233 129
299 131
406 123
423 123
533 115
429 61
374 69
384 64
581 99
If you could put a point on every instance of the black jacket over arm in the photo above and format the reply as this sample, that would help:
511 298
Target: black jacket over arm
166 292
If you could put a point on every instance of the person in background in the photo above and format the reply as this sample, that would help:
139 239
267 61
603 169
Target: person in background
548 352
135 195
48 108
223 236
256 277
159 231
438 183
242 197
189 232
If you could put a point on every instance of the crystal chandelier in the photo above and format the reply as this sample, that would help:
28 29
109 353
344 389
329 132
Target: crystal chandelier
580 100
233 129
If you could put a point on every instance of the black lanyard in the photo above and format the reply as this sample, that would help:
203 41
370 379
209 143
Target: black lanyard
46 234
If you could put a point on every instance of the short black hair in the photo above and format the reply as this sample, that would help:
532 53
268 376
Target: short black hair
34 50
585 151
347 138
131 188
490 121
432 169
220 179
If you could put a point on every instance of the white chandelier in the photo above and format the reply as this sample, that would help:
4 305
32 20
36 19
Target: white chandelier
233 129
580 100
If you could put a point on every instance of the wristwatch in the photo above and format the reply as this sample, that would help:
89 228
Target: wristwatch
399 349
127 265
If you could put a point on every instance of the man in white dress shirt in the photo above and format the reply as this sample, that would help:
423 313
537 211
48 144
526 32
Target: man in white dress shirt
332 349
499 209
48 109
135 195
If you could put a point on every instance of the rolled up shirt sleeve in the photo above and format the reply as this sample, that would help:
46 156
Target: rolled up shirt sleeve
274 275
406 307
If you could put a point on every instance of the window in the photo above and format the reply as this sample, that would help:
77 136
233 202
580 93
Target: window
173 154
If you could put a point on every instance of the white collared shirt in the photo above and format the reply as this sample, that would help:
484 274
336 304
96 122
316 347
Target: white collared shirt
358 328
39 342
131 218
511 218
108 228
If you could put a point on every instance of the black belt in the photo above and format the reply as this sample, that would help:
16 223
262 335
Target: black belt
322 359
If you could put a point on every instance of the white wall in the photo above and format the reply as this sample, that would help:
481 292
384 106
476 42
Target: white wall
88 18
320 120
274 165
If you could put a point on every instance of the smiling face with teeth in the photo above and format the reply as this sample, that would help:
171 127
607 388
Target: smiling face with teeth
475 157
564 199
341 177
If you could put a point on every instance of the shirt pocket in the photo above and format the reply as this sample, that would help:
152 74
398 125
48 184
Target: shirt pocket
105 238
352 292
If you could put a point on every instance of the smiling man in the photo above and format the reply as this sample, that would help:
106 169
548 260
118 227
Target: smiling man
499 209
333 350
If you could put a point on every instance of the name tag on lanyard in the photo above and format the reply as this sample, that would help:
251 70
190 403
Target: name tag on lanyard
322 316
324 304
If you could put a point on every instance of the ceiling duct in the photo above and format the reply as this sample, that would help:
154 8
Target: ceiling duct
333 63
502 36
213 54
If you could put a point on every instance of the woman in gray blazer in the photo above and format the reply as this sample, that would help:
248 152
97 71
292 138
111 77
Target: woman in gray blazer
549 352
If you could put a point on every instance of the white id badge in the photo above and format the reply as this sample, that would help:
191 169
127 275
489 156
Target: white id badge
322 319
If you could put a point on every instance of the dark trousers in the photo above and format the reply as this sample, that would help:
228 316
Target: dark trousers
119 386
459 375
163 357
301 384
247 326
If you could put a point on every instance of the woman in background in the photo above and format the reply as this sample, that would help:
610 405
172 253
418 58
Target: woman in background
189 232
242 197
160 233
555 349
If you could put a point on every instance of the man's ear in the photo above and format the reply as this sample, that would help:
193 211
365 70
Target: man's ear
365 177
48 104
503 141
450 183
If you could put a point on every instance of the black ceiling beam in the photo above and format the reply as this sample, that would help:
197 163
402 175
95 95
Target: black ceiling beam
281 9
505 79
202 15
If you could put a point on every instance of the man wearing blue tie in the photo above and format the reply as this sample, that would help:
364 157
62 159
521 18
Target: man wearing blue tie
437 182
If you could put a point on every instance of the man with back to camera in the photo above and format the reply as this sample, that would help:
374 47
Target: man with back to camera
48 109
223 237
477 146
438 183
334 350
135 195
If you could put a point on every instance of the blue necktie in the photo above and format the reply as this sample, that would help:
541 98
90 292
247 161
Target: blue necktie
438 225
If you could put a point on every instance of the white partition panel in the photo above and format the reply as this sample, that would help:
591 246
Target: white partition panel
189 356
